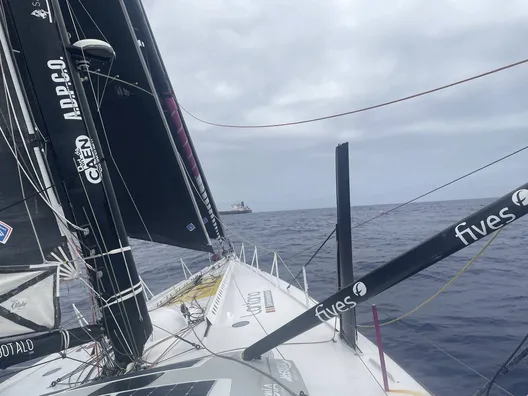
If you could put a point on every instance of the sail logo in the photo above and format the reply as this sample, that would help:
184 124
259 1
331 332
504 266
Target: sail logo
18 305
14 348
324 314
42 14
88 160
5 232
520 197
491 223
64 90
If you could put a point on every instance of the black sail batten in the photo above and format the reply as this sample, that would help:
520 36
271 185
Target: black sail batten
154 192
465 232
20 350
175 119
83 175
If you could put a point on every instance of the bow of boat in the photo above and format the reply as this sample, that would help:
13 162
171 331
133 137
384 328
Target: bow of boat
201 327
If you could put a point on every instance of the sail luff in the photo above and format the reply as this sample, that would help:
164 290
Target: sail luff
465 232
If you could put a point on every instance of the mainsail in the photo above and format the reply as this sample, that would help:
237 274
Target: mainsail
150 178
81 172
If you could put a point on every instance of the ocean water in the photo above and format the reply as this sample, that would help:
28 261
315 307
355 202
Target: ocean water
466 332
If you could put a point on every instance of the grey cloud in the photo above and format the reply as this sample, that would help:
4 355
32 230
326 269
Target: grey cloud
273 61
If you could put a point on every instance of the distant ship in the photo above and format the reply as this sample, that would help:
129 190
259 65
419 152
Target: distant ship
237 208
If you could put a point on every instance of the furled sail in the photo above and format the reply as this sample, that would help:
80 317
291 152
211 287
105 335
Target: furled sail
175 119
81 172
153 189
465 232
29 233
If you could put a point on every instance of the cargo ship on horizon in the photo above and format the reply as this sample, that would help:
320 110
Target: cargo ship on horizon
237 208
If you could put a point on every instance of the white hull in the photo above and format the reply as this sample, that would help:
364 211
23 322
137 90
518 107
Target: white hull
316 362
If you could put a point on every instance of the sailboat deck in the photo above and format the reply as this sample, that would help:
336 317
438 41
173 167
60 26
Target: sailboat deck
243 304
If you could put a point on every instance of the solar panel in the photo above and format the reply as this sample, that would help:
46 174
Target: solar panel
199 388
126 384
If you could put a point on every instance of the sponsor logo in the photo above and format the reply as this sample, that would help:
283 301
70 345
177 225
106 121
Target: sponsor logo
359 289
42 14
269 306
271 390
14 348
18 305
191 227
520 197
284 368
5 232
491 223
63 90
88 160
324 314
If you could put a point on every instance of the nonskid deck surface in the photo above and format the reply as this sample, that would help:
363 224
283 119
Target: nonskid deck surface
242 304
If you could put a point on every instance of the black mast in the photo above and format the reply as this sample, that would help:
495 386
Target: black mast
128 326
447 242
83 175
345 268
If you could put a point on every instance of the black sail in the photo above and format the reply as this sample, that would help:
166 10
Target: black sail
178 127
29 232
83 175
154 192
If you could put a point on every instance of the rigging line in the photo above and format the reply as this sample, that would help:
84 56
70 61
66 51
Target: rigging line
258 246
38 191
469 264
95 24
265 249
313 256
491 383
112 276
15 117
442 186
74 20
509 66
434 345
190 179
116 78
110 150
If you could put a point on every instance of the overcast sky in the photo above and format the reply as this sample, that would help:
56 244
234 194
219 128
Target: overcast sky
269 61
